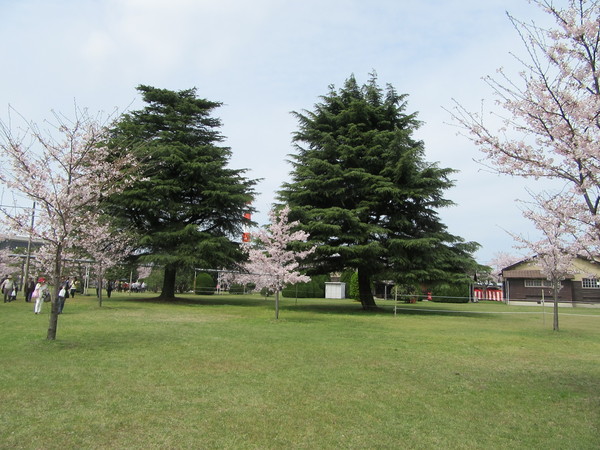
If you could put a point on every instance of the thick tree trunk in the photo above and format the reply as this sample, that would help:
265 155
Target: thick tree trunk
168 288
53 324
364 289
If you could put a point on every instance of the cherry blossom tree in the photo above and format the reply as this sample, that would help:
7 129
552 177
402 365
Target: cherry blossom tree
67 171
106 248
271 263
9 264
551 120
500 261
488 277
558 246
144 272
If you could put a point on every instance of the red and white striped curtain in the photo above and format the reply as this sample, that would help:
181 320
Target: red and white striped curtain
489 294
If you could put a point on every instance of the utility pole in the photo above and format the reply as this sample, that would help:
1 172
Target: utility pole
26 276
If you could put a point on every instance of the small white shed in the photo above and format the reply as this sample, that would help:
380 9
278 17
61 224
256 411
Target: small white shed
335 290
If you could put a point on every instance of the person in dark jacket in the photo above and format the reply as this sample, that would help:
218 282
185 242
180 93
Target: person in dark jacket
28 289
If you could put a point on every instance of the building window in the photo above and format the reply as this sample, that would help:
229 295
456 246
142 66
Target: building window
538 283
590 283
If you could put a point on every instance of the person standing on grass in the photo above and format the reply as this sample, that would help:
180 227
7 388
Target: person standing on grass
13 293
7 288
73 286
40 291
28 289
63 294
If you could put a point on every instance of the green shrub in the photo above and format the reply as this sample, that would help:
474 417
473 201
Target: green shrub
296 290
237 289
184 279
155 280
346 276
448 293
266 292
353 291
315 288
406 293
205 284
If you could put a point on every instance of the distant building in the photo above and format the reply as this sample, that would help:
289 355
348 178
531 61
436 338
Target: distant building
524 281
12 242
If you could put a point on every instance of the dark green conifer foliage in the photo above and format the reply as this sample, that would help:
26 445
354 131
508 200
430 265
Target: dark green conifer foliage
362 189
189 203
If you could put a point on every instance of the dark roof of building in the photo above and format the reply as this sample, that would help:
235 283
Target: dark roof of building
530 274
513 268
522 274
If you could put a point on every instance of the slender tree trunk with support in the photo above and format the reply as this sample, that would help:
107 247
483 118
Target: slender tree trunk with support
100 285
277 290
555 286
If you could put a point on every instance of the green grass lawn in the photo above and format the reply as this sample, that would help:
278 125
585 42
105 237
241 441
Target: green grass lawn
220 372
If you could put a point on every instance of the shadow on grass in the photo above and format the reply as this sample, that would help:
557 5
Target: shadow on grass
320 306
290 304
332 308
406 310
205 300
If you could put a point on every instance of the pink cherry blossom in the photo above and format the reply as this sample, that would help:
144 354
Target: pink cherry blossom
271 264
67 171
550 122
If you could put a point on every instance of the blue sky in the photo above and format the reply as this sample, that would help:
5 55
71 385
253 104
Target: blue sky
266 58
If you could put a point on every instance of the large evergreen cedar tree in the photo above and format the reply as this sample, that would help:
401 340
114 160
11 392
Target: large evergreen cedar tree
362 190
188 204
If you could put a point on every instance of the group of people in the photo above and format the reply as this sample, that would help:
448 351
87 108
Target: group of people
122 286
39 292
68 288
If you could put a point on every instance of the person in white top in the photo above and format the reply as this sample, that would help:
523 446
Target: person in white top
41 290
7 288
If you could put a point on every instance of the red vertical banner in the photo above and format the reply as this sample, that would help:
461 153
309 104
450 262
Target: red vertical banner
246 232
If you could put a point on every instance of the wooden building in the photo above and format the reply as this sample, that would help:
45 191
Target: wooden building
524 281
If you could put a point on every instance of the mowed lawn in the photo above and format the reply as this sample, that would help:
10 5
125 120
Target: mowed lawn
221 372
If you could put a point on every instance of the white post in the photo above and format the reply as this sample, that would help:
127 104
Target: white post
86 282
543 309
277 299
